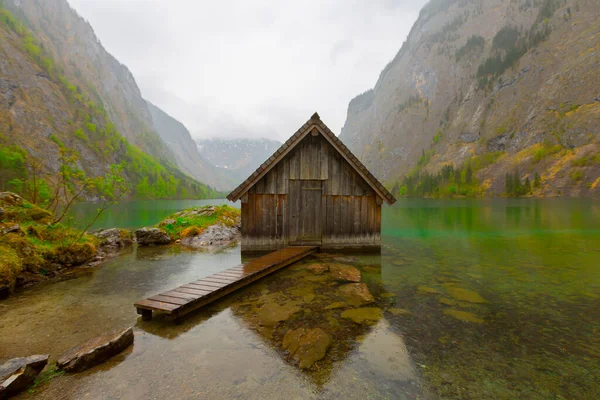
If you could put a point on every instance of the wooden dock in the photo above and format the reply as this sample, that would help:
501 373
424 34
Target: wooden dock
187 298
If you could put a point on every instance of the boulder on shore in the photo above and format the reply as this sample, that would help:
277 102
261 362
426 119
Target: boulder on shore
213 237
9 228
18 373
95 351
113 239
152 236
10 198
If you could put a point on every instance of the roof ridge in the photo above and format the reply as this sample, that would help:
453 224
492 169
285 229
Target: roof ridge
288 145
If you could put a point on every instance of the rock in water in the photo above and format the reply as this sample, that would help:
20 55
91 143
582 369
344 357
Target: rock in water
18 373
463 316
306 346
152 236
399 311
345 273
367 315
271 314
2 212
465 295
317 269
426 289
356 294
95 351
337 304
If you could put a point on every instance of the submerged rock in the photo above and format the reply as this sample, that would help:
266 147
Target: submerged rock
307 293
215 236
152 236
18 373
367 315
463 316
337 304
271 314
95 351
317 269
306 346
448 302
387 295
426 289
356 294
399 311
465 295
346 273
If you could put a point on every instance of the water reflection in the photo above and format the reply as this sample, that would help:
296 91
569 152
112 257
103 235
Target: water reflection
304 298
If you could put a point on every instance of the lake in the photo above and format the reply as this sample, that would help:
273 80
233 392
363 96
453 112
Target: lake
474 299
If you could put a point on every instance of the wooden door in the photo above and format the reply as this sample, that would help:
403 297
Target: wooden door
306 217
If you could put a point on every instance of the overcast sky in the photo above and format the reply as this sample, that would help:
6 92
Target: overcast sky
259 68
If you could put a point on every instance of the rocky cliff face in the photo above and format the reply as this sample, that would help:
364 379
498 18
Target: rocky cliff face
188 158
72 43
240 157
46 109
513 82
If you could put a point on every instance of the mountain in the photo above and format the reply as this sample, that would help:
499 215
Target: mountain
61 92
487 98
179 140
240 157
70 41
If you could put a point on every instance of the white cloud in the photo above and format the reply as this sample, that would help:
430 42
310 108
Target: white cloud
254 68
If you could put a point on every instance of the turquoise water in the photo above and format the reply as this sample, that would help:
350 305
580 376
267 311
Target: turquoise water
473 299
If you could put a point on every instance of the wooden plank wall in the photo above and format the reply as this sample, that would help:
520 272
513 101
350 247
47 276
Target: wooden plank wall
351 214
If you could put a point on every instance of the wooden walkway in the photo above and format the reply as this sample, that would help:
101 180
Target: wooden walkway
187 298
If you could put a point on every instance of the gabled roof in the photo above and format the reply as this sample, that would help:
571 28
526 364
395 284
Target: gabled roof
313 122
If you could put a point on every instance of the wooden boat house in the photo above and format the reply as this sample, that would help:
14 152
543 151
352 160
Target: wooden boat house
311 192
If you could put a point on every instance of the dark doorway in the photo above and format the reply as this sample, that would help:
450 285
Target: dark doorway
306 218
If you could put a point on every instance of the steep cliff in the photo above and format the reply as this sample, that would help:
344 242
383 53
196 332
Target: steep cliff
494 87
44 113
71 42
188 158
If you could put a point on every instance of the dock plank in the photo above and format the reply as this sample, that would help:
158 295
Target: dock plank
169 299
194 292
191 296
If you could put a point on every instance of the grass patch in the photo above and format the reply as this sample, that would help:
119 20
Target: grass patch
545 151
194 221
10 265
586 161
576 175
45 376
37 247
